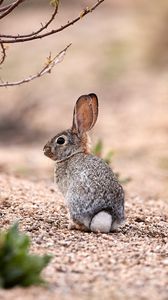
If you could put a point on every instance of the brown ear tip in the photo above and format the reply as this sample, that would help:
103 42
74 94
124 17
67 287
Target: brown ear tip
93 95
94 98
81 98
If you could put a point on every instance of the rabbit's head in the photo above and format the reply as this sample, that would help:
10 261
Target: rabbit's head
74 140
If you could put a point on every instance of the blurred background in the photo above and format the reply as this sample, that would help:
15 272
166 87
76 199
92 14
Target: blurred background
119 52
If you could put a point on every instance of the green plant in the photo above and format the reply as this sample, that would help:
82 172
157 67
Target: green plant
98 151
17 266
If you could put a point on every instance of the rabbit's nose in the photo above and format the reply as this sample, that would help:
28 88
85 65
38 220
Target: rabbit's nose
47 150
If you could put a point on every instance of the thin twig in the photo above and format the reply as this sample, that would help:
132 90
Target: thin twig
18 39
5 7
35 32
12 7
46 69
3 53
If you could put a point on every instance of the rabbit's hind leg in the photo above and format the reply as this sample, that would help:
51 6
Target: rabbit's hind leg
75 226
116 224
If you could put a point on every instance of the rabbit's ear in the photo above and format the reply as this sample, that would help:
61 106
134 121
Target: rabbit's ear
85 113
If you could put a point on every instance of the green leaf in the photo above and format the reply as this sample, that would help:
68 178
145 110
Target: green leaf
17 266
108 157
97 149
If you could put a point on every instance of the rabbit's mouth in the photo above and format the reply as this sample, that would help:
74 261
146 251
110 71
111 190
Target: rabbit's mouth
48 152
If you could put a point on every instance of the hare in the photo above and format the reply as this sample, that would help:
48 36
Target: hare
94 197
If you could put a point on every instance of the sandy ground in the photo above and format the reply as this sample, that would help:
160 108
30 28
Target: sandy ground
129 264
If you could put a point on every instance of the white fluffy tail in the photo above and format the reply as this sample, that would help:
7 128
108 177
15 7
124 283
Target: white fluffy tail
101 222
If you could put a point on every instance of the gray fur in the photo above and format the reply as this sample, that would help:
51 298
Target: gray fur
89 186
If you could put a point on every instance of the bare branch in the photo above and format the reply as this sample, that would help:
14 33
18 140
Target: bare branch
38 34
11 7
5 7
51 62
3 53
19 39
35 32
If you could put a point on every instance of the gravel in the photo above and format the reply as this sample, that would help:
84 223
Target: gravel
129 264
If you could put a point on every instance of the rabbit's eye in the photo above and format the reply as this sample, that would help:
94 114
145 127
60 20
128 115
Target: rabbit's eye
60 140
